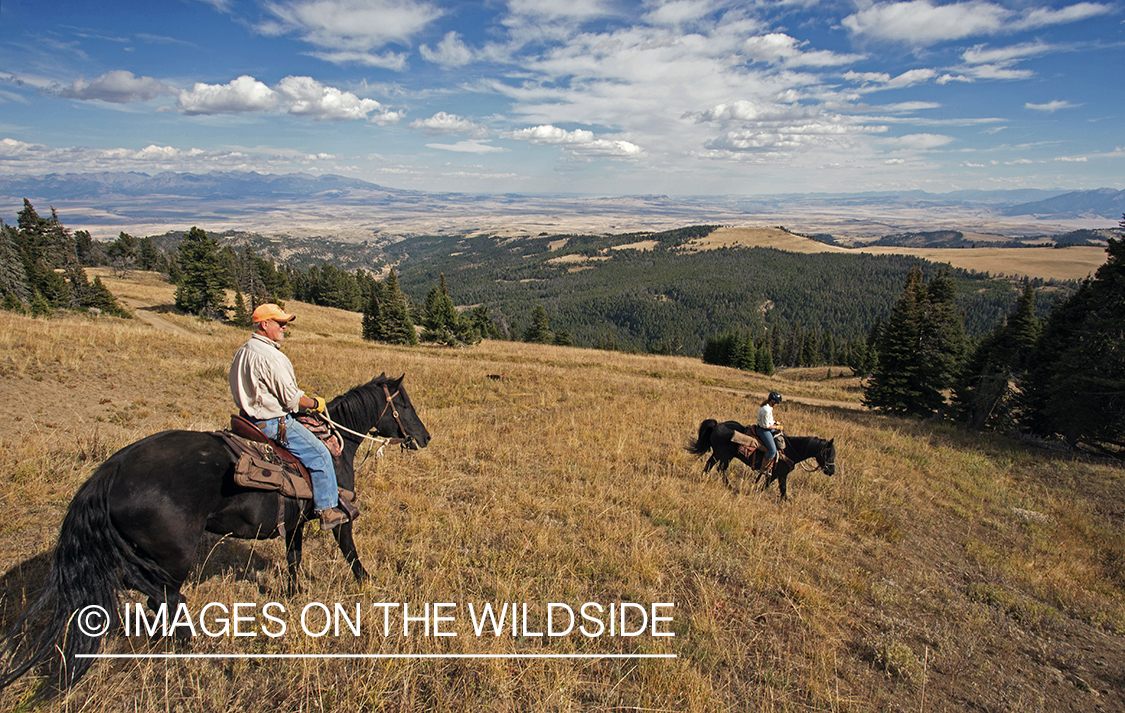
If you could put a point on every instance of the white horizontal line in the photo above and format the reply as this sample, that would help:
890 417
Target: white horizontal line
375 656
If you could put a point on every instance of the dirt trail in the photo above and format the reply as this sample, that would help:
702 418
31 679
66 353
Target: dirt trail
145 313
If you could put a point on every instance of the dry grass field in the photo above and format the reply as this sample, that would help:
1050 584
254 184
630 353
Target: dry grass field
1074 263
936 571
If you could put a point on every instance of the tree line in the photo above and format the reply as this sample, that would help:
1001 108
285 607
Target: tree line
1061 375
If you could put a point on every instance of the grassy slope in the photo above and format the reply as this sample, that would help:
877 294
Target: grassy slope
935 571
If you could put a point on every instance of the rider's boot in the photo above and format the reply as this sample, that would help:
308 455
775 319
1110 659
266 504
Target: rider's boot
331 517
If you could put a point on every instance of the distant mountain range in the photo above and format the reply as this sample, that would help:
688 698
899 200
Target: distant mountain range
353 209
1105 202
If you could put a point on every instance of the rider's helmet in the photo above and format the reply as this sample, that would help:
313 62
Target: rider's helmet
775 397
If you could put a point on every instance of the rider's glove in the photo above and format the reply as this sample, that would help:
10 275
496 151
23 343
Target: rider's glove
320 406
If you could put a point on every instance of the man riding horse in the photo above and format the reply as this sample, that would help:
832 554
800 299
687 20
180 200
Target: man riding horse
265 390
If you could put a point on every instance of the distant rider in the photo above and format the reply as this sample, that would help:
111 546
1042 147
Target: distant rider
265 390
767 428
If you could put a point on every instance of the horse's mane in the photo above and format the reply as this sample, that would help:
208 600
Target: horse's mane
360 407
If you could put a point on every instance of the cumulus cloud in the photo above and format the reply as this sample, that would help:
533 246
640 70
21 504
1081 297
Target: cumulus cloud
308 97
443 123
300 96
921 22
238 96
119 87
450 52
350 31
579 141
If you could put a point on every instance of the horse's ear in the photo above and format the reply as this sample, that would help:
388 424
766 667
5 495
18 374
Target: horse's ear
399 379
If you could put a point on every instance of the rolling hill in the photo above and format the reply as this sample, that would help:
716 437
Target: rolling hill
937 570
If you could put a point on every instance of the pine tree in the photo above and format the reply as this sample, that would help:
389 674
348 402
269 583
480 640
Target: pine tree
396 324
764 359
984 395
13 273
540 329
1075 384
372 328
896 386
201 289
943 340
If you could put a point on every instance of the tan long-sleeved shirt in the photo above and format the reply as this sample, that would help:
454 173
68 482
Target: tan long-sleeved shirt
262 380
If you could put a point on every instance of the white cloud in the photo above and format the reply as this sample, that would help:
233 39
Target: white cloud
119 87
882 80
579 141
1001 55
450 52
1051 107
470 146
921 22
917 142
348 31
238 96
308 97
778 47
300 96
443 123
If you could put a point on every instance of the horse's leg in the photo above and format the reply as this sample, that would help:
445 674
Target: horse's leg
343 535
781 478
294 539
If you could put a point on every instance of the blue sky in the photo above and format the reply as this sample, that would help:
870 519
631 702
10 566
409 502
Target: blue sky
689 97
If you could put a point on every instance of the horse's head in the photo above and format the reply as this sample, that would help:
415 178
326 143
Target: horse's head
380 406
826 459
399 419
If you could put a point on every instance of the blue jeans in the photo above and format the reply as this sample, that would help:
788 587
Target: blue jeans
313 454
765 435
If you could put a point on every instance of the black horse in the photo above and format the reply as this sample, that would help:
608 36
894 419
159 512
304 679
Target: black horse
716 438
139 519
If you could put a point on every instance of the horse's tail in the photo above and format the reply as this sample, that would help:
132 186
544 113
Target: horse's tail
92 563
701 444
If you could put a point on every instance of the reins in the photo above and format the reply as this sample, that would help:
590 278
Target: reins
383 441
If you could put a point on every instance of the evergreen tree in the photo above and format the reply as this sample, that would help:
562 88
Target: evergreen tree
373 314
540 329
483 324
1075 385
984 395
897 386
394 324
99 297
942 335
148 256
748 355
122 253
201 289
13 273
764 359
241 316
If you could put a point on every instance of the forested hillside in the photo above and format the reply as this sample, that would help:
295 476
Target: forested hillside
665 298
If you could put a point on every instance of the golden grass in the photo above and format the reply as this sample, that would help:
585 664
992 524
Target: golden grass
558 475
1074 263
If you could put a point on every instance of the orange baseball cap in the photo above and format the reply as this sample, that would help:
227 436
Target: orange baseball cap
270 311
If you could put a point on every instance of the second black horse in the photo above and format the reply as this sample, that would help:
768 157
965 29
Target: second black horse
716 438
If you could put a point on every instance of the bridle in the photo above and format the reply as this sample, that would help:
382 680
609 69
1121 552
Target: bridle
406 440
823 467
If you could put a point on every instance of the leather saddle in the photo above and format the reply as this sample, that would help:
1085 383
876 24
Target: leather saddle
245 428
